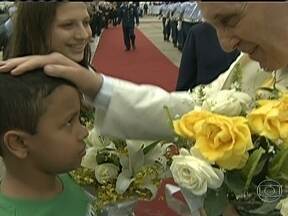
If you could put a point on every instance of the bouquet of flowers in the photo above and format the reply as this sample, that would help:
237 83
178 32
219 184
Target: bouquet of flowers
116 171
235 151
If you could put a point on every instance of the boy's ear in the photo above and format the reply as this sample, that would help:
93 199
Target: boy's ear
14 142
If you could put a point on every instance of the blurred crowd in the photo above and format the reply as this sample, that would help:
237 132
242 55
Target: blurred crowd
7 12
177 20
105 13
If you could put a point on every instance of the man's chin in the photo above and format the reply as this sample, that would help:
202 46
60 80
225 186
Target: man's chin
269 67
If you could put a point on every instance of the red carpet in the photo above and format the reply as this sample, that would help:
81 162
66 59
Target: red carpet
146 64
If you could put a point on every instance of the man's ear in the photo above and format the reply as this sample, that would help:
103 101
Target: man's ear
14 142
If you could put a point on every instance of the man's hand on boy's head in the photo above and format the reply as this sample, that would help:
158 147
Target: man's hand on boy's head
57 65
89 83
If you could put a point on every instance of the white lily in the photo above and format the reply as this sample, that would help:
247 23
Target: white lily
134 161
89 160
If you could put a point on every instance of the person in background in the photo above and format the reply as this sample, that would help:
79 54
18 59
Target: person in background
6 29
203 59
114 14
93 20
104 6
191 15
4 32
164 15
128 15
174 19
145 7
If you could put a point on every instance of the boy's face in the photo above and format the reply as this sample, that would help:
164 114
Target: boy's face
58 145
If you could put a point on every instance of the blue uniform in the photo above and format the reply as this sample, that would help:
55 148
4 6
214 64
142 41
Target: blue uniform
164 13
202 58
191 16
128 15
175 13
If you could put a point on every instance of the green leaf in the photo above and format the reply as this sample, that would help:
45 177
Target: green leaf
250 168
266 89
170 118
215 201
261 164
150 147
279 164
235 182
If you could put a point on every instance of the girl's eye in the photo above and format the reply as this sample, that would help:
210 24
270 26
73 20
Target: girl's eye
86 23
69 123
67 25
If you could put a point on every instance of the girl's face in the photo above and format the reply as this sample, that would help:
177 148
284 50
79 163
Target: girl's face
70 30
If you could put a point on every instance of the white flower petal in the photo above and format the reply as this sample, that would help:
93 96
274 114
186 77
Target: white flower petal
89 160
123 181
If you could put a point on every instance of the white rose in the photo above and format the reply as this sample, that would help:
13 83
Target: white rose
195 174
283 206
105 172
227 102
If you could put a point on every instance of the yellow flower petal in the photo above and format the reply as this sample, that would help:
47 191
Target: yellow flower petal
186 125
233 162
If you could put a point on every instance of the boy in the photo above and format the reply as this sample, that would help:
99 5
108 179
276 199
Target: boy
41 139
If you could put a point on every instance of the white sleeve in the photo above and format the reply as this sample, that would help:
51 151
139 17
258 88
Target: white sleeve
136 111
130 111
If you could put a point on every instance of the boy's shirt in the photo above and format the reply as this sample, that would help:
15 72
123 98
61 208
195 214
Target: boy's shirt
73 201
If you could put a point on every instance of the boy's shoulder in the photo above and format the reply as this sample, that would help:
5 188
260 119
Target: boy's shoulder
72 201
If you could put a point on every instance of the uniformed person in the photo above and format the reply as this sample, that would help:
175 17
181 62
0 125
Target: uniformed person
175 12
128 14
164 14
191 16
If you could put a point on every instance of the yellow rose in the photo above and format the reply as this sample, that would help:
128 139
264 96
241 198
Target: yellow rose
257 117
186 125
283 118
271 119
224 140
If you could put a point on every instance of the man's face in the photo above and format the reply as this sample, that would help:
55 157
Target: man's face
70 31
58 145
258 29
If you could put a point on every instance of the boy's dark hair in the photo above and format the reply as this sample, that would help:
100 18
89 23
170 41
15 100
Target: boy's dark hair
22 100
31 32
